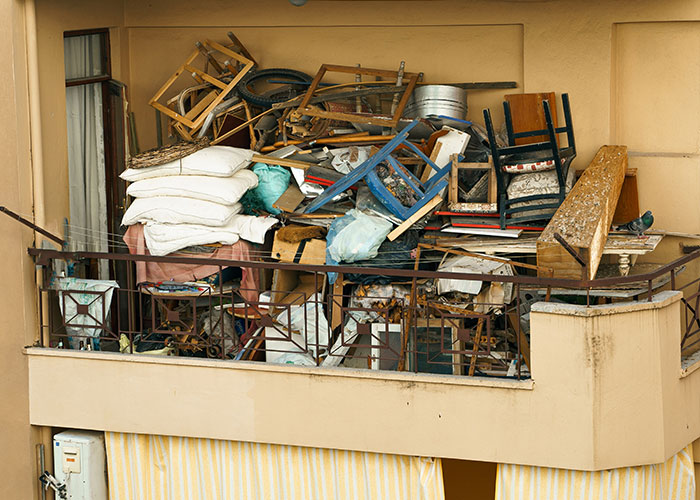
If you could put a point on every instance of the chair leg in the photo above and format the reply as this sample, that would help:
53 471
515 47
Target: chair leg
502 212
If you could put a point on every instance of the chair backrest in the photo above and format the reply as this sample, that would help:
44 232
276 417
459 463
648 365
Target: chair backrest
550 146
567 128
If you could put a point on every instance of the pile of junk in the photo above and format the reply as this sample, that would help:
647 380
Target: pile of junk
378 173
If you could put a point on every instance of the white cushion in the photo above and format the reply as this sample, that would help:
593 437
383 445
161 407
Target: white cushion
224 190
176 210
162 239
216 161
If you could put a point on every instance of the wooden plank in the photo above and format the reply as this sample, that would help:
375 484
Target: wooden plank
201 105
290 199
206 77
284 162
528 114
628 205
405 225
337 298
584 219
524 344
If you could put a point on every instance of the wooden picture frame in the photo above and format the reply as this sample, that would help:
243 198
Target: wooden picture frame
189 120
491 203
305 110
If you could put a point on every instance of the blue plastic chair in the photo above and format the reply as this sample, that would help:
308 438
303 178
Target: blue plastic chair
423 191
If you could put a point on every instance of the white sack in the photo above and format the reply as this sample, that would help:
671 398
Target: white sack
96 294
472 265
176 210
163 239
224 190
216 161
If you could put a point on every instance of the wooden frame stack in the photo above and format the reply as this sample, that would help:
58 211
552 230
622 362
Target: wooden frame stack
195 118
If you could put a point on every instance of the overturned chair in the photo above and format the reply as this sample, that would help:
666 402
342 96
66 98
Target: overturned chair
532 179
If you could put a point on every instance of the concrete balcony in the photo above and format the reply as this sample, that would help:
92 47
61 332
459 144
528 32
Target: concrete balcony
607 390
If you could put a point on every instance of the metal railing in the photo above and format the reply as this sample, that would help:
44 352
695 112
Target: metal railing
403 326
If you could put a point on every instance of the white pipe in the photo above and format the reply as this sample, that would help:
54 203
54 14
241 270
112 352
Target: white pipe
37 156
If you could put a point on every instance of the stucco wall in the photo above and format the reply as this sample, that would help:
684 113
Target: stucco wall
17 325
606 392
629 66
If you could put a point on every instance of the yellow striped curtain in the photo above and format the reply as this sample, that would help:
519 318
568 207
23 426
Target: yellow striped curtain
673 480
147 467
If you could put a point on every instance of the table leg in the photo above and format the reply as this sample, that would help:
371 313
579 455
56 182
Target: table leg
624 264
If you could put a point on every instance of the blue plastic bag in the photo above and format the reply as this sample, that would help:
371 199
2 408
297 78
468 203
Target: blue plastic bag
355 236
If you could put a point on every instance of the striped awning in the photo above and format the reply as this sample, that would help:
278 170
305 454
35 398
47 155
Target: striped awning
673 480
175 468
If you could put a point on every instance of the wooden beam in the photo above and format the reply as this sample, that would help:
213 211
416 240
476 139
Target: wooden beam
422 212
584 219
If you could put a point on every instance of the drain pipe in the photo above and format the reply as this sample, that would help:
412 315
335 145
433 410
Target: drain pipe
37 156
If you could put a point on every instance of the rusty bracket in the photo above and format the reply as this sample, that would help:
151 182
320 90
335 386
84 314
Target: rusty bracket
30 224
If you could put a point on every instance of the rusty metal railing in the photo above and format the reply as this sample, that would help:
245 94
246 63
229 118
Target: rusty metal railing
406 326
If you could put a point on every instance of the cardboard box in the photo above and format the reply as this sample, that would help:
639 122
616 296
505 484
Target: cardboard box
311 251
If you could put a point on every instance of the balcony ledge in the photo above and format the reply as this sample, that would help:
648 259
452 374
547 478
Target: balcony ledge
353 373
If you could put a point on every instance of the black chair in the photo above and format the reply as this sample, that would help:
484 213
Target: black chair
519 209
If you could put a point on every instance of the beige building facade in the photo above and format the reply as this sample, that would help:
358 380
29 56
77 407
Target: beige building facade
608 388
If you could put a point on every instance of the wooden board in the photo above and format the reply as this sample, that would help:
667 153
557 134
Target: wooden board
628 205
405 225
290 199
528 114
584 219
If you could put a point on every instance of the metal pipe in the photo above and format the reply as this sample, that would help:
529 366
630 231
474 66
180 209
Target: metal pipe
42 467
36 140
37 156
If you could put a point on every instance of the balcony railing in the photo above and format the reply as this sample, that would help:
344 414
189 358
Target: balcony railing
404 325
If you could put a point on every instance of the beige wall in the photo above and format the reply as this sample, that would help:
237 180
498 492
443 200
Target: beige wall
603 53
17 314
630 81
53 19
606 392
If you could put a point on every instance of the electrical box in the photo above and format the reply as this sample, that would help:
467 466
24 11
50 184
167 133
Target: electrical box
79 462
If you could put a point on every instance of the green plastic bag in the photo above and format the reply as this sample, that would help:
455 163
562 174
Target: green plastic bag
273 180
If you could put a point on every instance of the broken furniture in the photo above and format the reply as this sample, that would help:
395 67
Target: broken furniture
373 119
583 219
424 192
626 247
219 85
526 114
480 194
532 178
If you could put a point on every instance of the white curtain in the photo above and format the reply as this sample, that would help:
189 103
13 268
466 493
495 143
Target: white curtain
86 156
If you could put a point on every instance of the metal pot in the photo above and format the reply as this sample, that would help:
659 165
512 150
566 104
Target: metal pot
432 101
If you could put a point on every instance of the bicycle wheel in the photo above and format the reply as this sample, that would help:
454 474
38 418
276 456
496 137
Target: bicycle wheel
269 86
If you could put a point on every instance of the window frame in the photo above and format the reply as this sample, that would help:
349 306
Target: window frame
106 56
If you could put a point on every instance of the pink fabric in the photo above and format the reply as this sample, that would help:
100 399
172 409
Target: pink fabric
163 271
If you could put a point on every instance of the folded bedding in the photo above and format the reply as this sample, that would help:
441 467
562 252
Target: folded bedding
163 239
178 210
224 190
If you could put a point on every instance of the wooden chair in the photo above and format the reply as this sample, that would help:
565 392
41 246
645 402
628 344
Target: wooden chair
514 160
